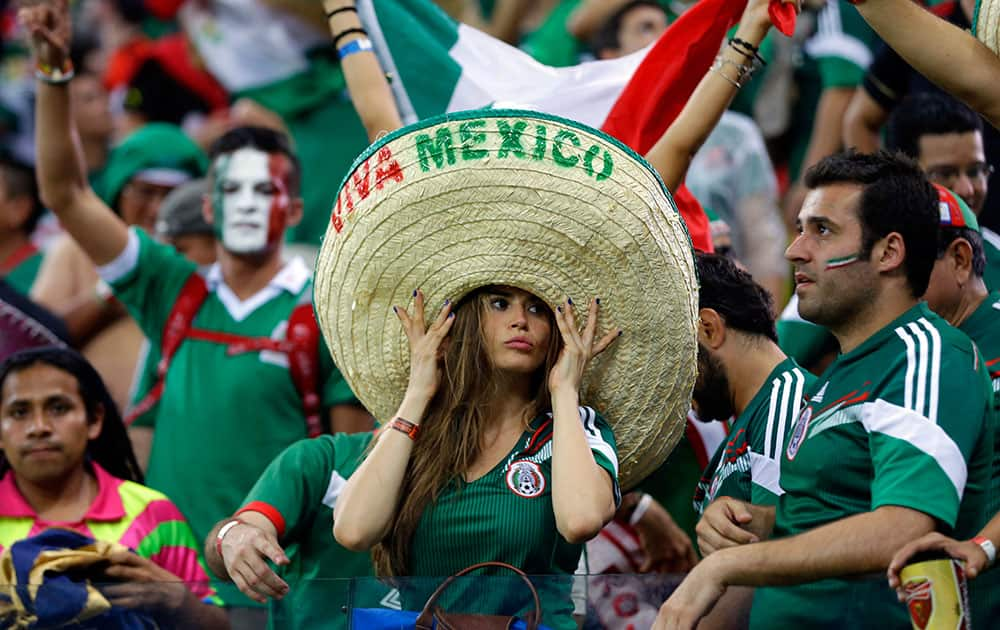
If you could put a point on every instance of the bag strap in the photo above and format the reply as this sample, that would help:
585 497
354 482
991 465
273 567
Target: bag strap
426 619
189 301
301 345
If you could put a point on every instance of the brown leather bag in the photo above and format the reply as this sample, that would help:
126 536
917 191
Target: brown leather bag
432 613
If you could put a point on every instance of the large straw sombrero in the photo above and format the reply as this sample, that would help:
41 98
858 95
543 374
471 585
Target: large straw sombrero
528 200
986 23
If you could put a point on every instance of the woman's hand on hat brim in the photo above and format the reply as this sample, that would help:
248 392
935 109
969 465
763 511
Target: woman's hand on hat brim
426 349
579 347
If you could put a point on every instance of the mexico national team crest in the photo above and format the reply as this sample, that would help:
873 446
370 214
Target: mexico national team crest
525 479
799 433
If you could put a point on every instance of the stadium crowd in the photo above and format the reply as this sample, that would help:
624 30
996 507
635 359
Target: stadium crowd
188 382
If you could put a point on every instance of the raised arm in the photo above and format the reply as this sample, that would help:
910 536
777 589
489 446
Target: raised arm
583 496
367 506
908 29
61 172
672 154
366 81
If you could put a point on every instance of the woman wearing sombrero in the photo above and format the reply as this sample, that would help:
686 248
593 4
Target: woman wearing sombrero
484 224
489 222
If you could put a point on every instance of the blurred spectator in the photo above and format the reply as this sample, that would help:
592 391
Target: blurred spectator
139 173
66 463
732 175
890 79
91 106
946 138
635 25
181 222
20 211
907 28
833 61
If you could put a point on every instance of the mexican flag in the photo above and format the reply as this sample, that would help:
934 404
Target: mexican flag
437 66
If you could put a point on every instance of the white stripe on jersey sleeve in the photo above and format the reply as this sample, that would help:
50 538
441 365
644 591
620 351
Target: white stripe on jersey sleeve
333 490
793 405
124 263
775 391
905 424
911 366
766 472
935 337
594 438
786 393
923 358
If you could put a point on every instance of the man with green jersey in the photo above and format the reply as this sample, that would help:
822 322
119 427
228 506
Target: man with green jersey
229 397
743 374
291 508
895 440
958 293
946 138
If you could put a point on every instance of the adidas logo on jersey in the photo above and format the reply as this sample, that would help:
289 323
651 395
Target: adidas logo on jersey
818 397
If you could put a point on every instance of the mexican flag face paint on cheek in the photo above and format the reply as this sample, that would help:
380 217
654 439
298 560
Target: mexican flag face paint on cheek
842 261
251 200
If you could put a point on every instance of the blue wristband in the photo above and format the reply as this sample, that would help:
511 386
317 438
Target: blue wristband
356 46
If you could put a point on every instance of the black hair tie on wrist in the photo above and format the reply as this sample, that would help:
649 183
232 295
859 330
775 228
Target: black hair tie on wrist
341 10
342 34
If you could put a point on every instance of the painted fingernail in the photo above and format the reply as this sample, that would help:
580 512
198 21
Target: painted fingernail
620 332
569 300
598 300
451 316
414 293
559 308
395 310
447 302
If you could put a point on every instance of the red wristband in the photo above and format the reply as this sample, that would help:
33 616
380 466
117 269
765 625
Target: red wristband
405 427
225 530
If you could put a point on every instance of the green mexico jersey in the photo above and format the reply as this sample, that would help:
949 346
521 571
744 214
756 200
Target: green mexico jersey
983 327
507 516
748 465
297 493
904 419
222 416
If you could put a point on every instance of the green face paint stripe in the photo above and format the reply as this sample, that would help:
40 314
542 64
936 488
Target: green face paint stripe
842 261
219 173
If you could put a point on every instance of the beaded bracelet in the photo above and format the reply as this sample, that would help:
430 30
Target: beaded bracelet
405 427
54 76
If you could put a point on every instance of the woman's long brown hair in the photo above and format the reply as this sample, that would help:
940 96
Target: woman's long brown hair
451 433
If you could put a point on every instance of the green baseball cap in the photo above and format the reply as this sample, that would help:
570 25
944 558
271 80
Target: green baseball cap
160 150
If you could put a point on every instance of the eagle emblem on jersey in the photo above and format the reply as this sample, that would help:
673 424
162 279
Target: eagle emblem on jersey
799 433
525 479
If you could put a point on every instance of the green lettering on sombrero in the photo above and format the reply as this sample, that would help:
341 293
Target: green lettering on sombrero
477 139
528 200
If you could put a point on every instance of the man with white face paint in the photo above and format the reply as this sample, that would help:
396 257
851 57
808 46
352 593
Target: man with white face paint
249 187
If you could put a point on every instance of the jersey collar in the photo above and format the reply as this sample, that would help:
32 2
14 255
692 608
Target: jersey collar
107 505
292 278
